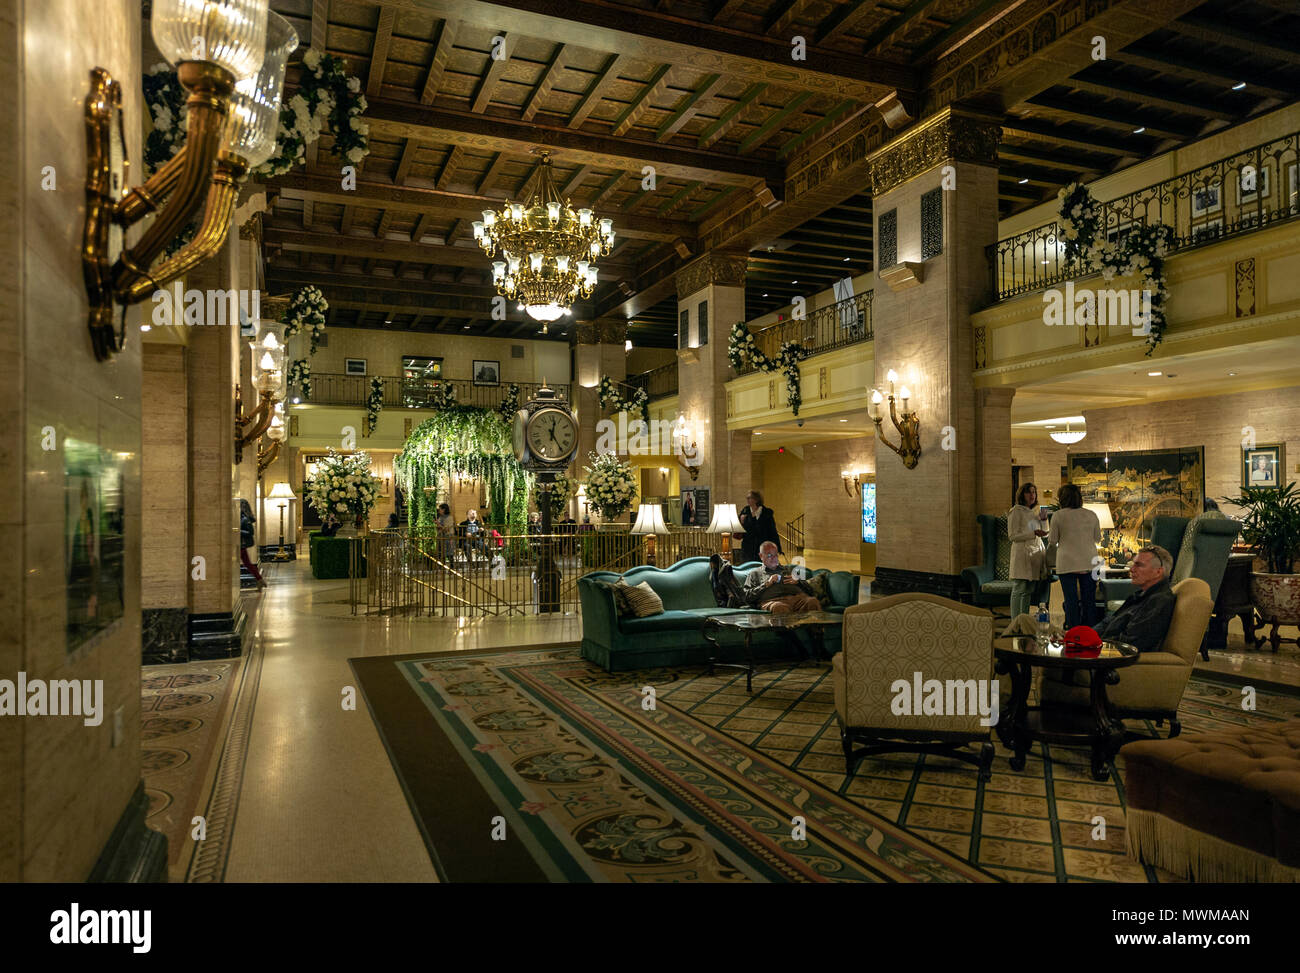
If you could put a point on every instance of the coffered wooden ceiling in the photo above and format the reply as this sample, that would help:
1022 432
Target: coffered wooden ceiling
708 94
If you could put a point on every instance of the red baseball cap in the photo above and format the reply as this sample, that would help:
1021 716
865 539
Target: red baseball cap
1082 641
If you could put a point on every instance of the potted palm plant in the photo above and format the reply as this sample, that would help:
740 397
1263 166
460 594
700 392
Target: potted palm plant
1272 527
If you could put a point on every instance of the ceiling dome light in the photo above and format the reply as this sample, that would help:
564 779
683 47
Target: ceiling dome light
1067 438
544 312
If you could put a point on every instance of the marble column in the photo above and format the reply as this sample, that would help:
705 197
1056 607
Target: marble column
711 290
993 447
936 210
598 353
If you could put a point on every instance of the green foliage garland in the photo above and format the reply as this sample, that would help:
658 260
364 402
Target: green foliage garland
741 346
374 403
472 442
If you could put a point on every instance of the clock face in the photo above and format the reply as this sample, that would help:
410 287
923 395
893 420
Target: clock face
517 434
552 435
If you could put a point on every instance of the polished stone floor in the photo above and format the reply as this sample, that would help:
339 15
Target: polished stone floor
306 785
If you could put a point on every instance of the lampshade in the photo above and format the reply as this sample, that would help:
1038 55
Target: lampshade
725 520
1069 437
282 491
253 121
228 33
649 520
1102 510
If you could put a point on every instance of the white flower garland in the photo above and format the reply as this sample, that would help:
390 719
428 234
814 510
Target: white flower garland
610 484
375 403
300 375
611 397
742 347
561 492
1141 251
343 486
443 396
306 312
510 403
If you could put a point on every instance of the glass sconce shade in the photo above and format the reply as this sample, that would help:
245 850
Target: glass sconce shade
228 33
277 434
253 121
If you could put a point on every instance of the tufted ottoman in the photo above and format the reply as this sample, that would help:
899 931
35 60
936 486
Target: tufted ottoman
1219 807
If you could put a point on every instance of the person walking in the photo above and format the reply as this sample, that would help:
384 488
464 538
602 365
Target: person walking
246 540
1031 582
445 524
1075 533
760 527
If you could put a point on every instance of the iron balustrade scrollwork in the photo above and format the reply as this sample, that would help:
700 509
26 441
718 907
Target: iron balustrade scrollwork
1255 188
834 326
354 390
657 382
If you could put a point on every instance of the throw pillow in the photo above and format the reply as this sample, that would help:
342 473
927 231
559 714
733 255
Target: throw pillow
619 591
820 588
642 599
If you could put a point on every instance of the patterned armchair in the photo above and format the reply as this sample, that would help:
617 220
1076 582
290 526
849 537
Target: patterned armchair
892 647
989 583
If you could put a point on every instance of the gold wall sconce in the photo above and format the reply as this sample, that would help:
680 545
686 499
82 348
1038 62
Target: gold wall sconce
908 426
276 433
271 381
230 56
852 480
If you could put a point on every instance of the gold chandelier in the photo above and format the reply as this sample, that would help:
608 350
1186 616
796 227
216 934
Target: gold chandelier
549 249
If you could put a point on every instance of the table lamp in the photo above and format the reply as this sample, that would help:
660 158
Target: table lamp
725 522
1102 510
284 493
649 521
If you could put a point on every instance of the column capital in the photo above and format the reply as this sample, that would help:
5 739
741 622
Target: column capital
953 135
601 332
715 267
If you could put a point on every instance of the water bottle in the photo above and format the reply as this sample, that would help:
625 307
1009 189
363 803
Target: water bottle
1044 625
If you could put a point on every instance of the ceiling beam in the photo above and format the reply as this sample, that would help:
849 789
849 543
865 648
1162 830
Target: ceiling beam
592 98
783 15
544 85
661 38
379 52
1153 97
1111 117
496 67
409 148
287 278
727 121
438 64
843 19
397 120
372 248
1211 31
454 158
653 89
574 181
1201 69
492 172
772 124
889 31
1058 136
689 105
955 31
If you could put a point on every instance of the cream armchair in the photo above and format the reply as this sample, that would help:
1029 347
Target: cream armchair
1153 687
889 641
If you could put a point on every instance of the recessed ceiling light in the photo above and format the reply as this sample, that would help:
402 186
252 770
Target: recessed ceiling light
758 434
1154 374
1139 130
1238 86
794 282
847 259
1050 425
1022 182
765 295
388 320
844 420
1232 373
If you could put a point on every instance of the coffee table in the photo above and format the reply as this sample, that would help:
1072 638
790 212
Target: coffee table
783 624
1020 725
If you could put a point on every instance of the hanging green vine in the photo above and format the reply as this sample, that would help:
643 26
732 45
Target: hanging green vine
468 441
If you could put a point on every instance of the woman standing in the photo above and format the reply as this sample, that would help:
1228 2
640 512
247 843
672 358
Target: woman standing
1028 555
1075 533
446 527
246 540
760 525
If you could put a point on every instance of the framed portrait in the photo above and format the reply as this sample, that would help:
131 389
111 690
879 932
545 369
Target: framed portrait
487 372
1263 466
1252 184
1206 200
354 366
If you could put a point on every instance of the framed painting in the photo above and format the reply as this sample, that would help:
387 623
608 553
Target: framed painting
1263 466
1140 485
487 373
354 366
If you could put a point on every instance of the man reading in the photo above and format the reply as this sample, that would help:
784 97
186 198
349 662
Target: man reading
775 589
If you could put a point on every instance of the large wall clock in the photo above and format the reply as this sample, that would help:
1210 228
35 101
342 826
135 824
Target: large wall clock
545 433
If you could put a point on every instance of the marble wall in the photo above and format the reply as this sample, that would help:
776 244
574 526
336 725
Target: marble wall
66 784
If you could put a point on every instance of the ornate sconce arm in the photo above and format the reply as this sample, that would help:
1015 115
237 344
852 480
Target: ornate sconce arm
145 199
265 457
880 433
249 428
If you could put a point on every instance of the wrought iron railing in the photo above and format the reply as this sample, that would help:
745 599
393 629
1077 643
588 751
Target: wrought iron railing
336 389
418 571
657 383
792 537
825 329
1237 194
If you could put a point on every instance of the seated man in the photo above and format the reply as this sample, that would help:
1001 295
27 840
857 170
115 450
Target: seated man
1144 618
774 588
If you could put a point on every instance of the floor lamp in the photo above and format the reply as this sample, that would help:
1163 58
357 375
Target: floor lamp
1102 510
284 493
727 523
649 521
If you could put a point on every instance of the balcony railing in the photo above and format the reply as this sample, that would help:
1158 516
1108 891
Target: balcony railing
825 329
334 389
1255 188
658 382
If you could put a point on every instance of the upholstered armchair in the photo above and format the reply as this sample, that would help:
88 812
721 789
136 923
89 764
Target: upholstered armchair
891 647
989 582
1153 687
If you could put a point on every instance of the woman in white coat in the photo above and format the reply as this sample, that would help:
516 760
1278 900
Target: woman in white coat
1031 581
1075 534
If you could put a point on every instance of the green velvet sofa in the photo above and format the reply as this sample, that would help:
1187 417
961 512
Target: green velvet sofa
674 638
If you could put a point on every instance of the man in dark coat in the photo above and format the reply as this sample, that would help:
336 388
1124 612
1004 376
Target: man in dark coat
760 526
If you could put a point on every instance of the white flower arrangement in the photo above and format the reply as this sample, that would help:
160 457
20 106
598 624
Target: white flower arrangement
1139 252
443 396
509 403
610 485
374 403
306 312
741 347
300 375
561 492
612 397
343 486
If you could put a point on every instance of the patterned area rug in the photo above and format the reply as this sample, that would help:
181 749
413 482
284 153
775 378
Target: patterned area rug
589 785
